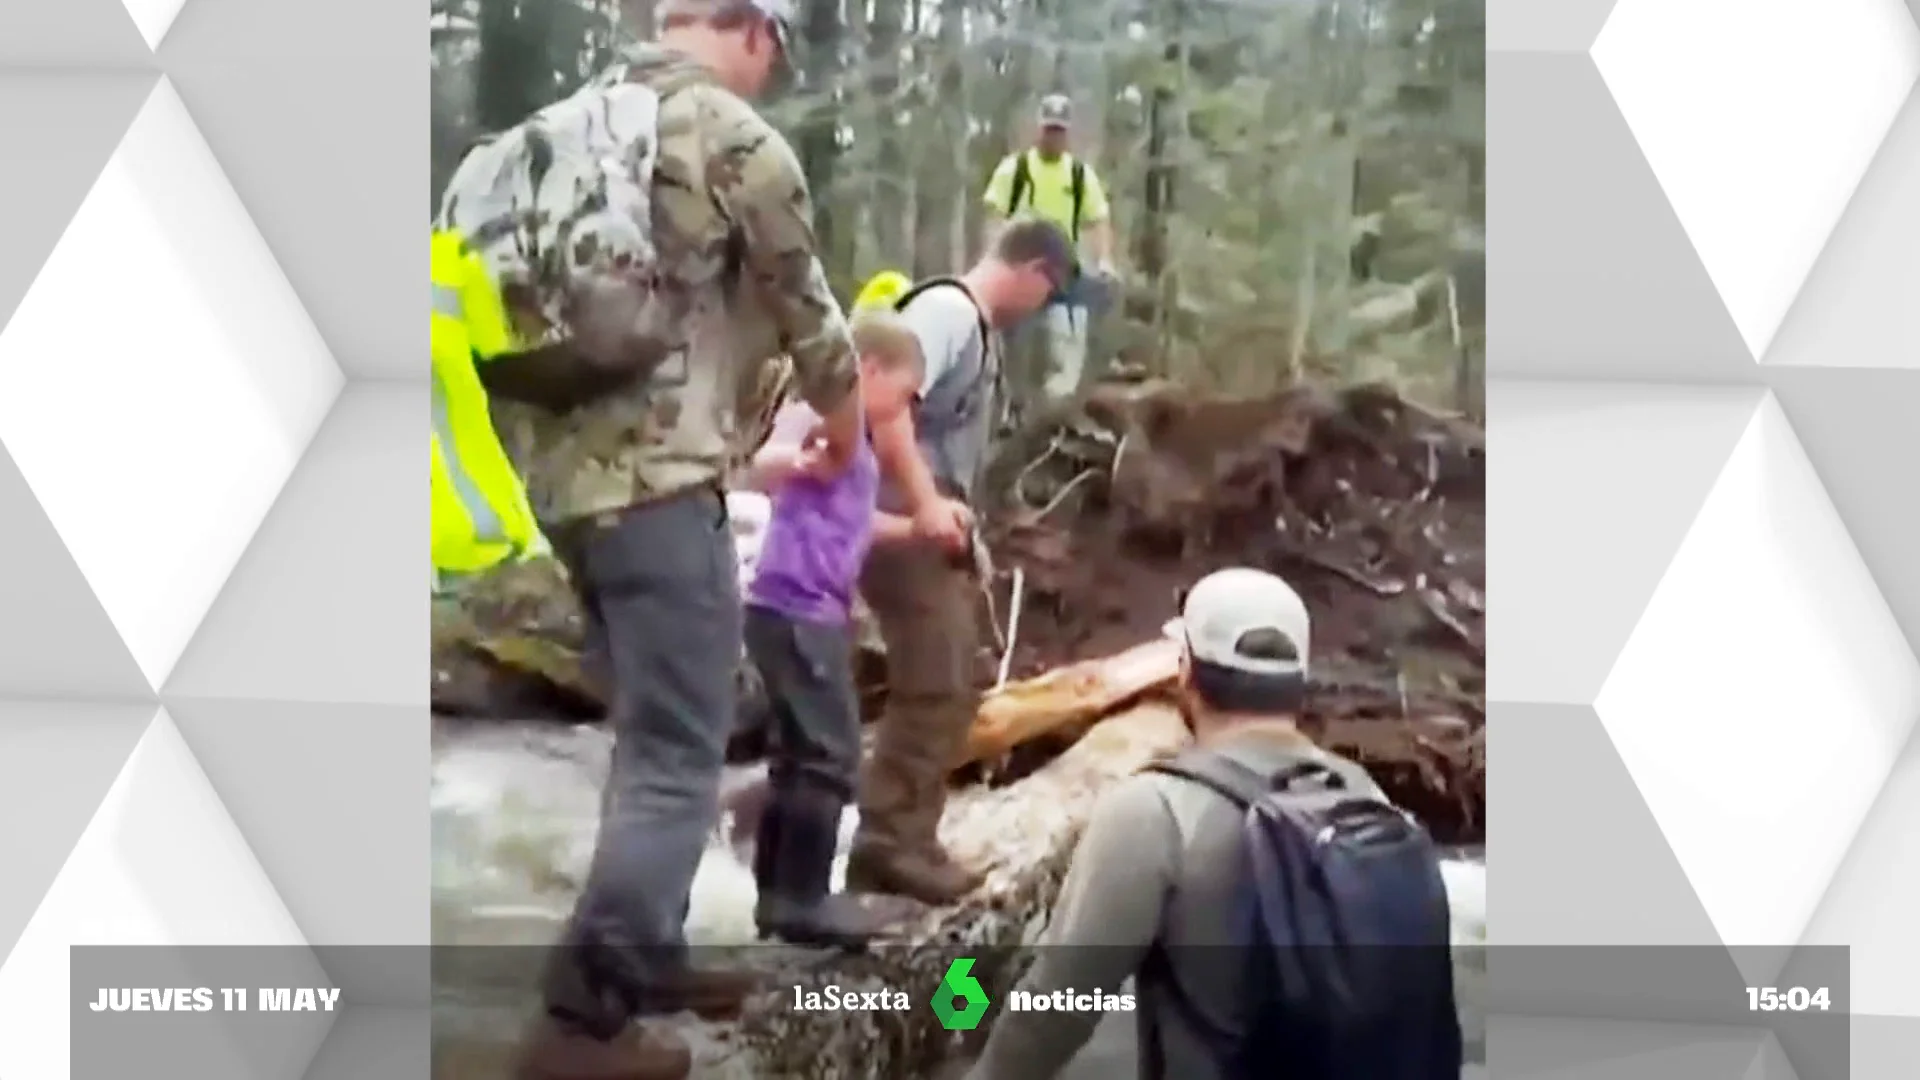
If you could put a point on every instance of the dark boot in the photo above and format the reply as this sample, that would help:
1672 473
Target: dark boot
554 1051
766 842
798 905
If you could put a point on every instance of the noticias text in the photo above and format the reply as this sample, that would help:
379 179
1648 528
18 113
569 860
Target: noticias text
1069 1000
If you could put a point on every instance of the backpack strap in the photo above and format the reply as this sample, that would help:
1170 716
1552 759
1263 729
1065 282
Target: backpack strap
1079 196
991 362
1219 773
980 314
1244 784
918 287
1022 181
1023 185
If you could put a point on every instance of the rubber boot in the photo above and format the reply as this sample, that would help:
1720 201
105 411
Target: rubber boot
766 841
799 906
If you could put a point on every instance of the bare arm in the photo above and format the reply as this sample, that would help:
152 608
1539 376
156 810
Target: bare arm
1096 227
996 198
891 528
1099 239
899 453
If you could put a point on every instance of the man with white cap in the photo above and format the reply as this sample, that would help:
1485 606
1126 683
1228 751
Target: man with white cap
1154 879
1048 182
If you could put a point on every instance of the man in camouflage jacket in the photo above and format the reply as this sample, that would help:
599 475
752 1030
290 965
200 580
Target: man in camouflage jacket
628 484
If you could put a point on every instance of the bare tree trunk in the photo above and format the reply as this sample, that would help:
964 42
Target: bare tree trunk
1156 209
890 159
941 155
638 15
818 142
854 200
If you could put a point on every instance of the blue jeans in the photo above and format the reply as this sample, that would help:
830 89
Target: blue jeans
662 600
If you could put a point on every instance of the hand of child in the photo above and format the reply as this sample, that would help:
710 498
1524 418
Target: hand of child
817 461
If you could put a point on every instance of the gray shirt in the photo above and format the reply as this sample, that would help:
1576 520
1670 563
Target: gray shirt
954 418
1154 866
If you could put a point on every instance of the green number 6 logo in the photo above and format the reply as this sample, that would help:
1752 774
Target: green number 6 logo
960 1001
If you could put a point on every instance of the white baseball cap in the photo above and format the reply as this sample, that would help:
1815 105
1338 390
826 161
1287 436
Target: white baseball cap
1224 607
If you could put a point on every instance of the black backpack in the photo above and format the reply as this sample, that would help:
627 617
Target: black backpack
1023 184
1350 966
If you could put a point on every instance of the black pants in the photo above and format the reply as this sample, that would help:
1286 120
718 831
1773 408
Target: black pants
661 596
807 668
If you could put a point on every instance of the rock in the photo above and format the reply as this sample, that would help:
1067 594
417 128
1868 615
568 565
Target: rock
508 641
508 644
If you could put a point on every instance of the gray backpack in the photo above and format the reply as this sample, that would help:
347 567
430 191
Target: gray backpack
564 197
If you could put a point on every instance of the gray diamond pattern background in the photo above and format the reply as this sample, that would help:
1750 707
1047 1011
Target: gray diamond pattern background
212 391
1705 573
212 725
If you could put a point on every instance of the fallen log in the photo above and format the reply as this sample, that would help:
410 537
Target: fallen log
1023 837
524 622
1068 697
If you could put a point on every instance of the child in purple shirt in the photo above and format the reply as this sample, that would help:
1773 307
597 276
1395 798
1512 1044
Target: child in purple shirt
800 636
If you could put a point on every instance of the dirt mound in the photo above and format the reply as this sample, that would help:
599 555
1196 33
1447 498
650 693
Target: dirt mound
1372 507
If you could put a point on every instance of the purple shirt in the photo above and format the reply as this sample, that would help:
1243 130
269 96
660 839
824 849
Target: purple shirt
819 534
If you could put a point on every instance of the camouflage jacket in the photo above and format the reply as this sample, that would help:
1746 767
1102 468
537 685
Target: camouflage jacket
733 226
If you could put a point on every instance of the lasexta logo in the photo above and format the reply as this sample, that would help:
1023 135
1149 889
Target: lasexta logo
960 1001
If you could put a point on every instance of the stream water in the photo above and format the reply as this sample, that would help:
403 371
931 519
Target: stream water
515 808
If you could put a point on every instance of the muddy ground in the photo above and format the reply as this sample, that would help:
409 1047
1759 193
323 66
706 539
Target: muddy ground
1374 509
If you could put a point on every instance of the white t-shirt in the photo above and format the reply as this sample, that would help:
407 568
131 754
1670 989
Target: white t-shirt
954 418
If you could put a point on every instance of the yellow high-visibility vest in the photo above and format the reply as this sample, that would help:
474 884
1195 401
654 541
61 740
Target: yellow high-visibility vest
481 516
882 290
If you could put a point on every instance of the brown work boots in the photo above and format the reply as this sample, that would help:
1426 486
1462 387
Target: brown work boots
556 1051
716 994
927 874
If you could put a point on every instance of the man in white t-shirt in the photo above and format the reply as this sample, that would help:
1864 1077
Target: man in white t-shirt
923 595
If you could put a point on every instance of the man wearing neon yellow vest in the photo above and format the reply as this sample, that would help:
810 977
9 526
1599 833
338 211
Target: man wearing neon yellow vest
1046 181
480 513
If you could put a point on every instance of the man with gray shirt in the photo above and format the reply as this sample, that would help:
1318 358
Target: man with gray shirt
923 595
1154 879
